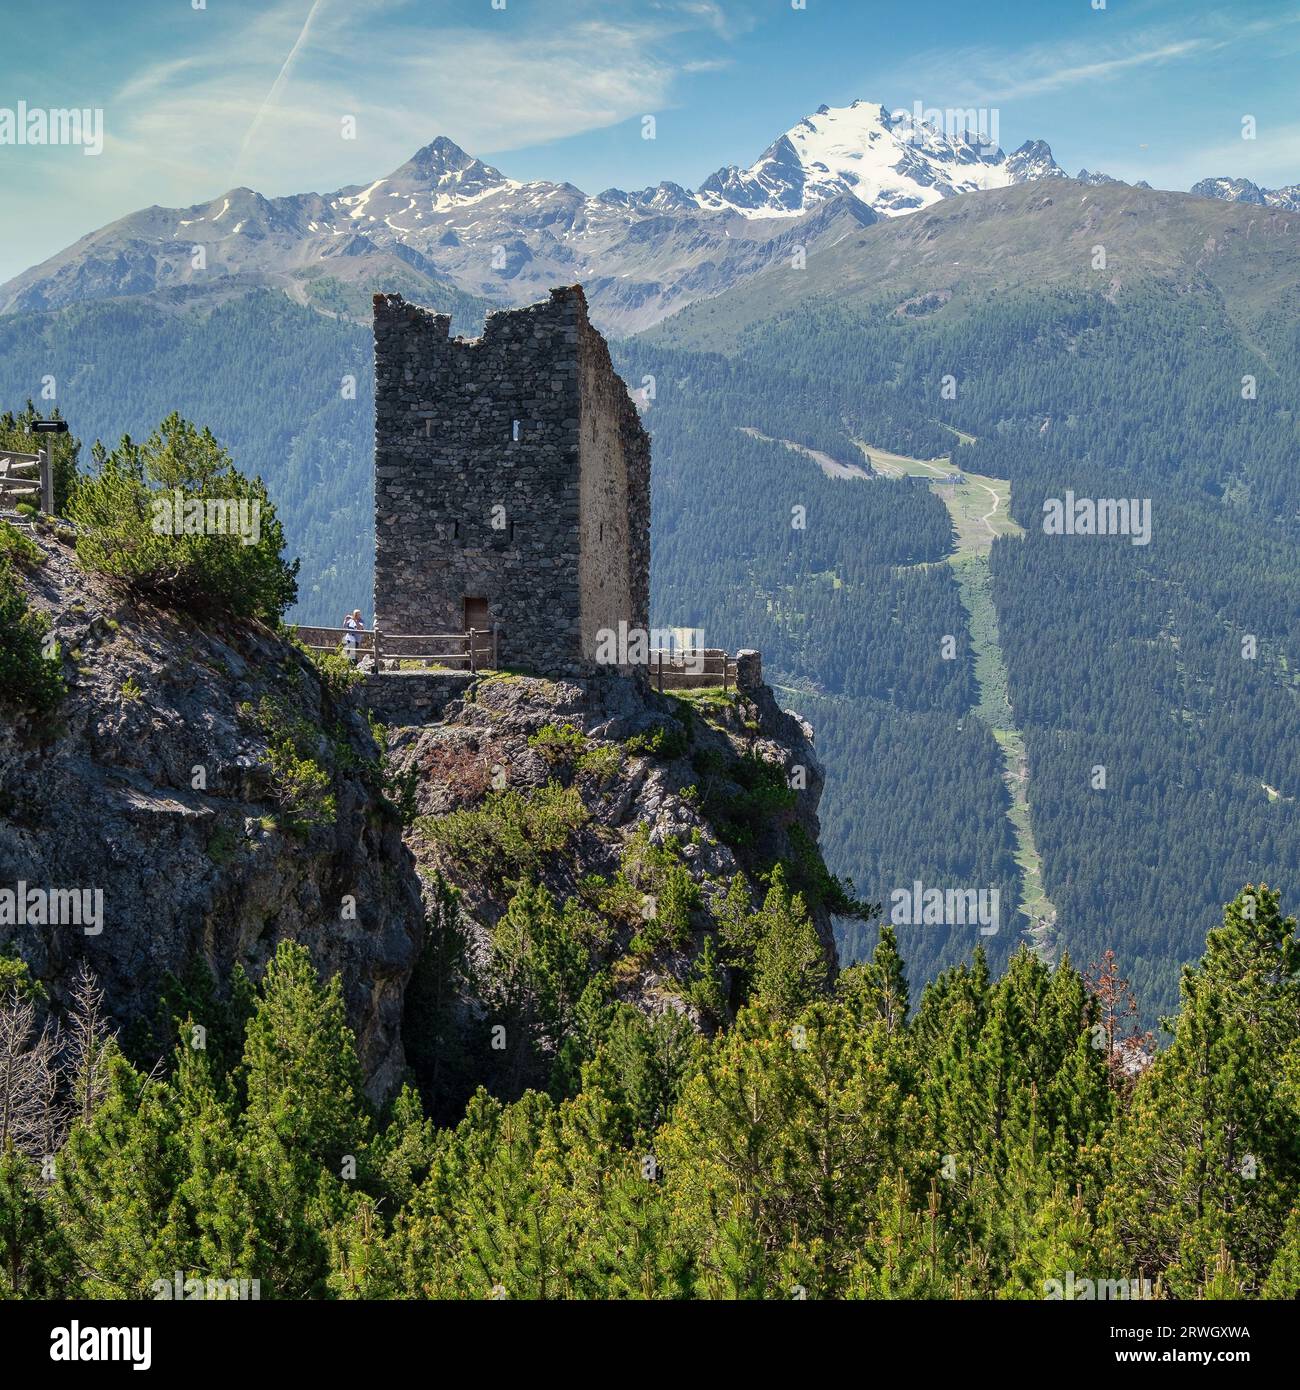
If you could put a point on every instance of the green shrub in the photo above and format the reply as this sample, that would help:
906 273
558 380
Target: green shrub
227 555
301 784
30 671
602 762
337 674
510 834
302 788
709 761
764 796
400 788
22 550
809 876
614 899
776 949
663 741
542 984
223 844
655 890
559 744
16 977
704 988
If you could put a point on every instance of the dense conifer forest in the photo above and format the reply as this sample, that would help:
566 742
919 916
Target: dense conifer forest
1166 669
1000 1136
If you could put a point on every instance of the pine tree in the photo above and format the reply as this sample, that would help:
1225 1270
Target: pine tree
789 962
908 1253
1208 1157
305 1127
117 1179
1284 1276
34 1260
879 986
788 1127
214 1206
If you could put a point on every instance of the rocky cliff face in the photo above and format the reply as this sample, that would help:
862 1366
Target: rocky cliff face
673 768
595 834
221 796
154 786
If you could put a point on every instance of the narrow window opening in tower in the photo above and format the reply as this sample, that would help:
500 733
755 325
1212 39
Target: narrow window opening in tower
512 533
514 431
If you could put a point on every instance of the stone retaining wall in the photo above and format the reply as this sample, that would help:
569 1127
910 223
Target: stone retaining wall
401 698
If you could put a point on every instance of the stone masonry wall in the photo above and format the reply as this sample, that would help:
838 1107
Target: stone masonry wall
488 454
613 497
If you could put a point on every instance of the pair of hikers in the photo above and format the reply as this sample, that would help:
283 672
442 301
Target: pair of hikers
353 626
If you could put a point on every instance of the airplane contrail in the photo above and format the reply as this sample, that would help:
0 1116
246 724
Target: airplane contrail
276 85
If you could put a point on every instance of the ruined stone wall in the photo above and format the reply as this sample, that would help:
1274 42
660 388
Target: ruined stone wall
489 454
463 508
613 499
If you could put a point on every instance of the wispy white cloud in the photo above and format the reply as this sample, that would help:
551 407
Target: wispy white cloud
280 78
268 105
1058 77
985 74
259 95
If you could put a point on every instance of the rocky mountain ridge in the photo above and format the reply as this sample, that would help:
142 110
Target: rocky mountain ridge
449 220
448 225
1231 190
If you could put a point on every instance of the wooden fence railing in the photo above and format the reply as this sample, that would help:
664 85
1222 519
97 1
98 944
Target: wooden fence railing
674 668
691 668
474 650
27 478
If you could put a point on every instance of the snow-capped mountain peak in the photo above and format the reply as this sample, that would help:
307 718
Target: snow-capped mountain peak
895 162
1244 191
443 167
1033 160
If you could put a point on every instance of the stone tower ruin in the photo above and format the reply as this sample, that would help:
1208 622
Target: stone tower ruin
512 482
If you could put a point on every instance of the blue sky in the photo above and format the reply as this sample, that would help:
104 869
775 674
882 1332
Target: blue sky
198 100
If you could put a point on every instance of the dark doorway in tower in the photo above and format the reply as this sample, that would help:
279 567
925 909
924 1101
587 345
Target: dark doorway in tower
478 618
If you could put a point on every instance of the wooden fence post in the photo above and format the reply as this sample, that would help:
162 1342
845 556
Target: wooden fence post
472 666
376 643
47 482
496 648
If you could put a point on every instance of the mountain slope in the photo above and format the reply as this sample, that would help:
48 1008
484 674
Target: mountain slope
1152 729
1027 237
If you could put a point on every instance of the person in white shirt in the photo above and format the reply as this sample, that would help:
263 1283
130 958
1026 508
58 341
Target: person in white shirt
352 625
